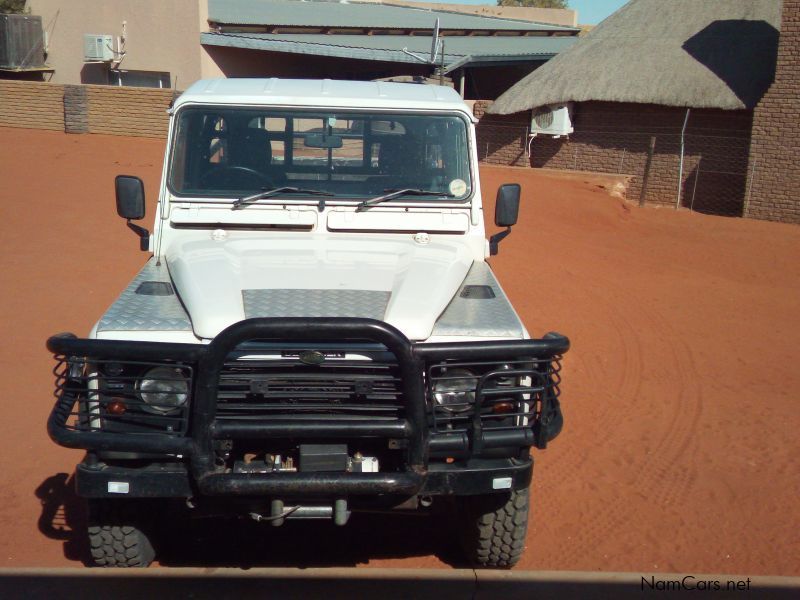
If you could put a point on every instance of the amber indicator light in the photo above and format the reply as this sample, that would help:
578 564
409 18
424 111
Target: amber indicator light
116 407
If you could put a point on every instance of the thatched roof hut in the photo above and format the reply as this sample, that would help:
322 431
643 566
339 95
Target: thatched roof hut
686 53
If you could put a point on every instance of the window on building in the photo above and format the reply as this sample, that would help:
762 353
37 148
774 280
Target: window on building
152 79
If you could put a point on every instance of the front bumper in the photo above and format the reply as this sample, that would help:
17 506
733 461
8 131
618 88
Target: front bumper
193 469
174 480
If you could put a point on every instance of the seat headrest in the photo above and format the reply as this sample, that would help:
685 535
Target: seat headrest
252 149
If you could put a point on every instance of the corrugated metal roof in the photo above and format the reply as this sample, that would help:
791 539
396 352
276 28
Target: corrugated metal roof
390 47
316 13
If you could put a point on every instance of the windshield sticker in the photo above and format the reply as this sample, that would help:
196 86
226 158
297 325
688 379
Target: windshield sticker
458 187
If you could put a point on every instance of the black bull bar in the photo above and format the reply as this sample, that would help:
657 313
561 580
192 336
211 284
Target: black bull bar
204 429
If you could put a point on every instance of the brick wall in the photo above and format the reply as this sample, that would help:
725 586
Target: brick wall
31 105
501 139
775 152
128 111
85 108
614 138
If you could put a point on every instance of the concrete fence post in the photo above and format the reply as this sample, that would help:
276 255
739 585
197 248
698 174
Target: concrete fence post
76 109
651 149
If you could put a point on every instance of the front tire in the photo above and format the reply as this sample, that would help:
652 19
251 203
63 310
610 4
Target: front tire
117 535
493 528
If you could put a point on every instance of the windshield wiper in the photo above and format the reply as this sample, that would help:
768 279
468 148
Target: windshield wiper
392 194
242 202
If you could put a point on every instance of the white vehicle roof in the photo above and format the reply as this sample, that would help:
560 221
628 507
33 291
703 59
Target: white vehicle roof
323 93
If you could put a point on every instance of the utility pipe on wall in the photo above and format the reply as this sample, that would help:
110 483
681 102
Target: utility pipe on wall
680 171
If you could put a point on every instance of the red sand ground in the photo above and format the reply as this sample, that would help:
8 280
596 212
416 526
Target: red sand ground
680 449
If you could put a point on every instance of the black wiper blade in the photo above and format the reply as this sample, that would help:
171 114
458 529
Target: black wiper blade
242 202
392 194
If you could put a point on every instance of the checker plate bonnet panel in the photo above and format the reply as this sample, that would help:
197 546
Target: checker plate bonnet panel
315 303
142 312
480 317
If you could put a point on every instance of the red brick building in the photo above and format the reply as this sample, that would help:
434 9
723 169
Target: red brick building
774 186
686 76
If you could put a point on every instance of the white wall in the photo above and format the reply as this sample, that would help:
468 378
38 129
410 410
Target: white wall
162 35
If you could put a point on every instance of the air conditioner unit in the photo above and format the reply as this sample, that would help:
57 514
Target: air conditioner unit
21 42
98 47
555 119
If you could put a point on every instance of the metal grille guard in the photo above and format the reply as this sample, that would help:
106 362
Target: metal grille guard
198 447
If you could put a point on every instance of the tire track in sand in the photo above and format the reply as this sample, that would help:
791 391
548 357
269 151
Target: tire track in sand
666 470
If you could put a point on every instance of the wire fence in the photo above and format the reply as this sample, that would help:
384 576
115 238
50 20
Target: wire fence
705 172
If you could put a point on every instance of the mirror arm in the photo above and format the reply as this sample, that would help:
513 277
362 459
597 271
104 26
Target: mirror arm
495 240
144 235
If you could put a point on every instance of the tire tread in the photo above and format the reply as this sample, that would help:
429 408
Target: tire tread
494 530
113 540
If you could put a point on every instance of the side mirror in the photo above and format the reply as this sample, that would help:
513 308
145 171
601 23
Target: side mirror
506 208
506 211
130 205
130 197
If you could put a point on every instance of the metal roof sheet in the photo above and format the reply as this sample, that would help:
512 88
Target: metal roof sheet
323 13
390 47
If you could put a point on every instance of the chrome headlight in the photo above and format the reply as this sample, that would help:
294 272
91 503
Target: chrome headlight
164 390
455 390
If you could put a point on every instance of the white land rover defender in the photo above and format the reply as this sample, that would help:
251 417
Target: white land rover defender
317 331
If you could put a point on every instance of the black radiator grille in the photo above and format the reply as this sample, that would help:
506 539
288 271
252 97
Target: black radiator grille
288 389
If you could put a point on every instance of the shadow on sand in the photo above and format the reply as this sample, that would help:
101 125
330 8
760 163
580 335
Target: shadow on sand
212 542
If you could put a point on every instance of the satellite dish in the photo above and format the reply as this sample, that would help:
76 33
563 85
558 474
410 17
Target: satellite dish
435 42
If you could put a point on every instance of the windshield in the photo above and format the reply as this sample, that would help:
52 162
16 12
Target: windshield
234 152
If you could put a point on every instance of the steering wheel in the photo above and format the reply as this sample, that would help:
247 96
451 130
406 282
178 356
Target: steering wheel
235 177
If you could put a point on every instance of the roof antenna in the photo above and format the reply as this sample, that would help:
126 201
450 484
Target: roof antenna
434 47
435 43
